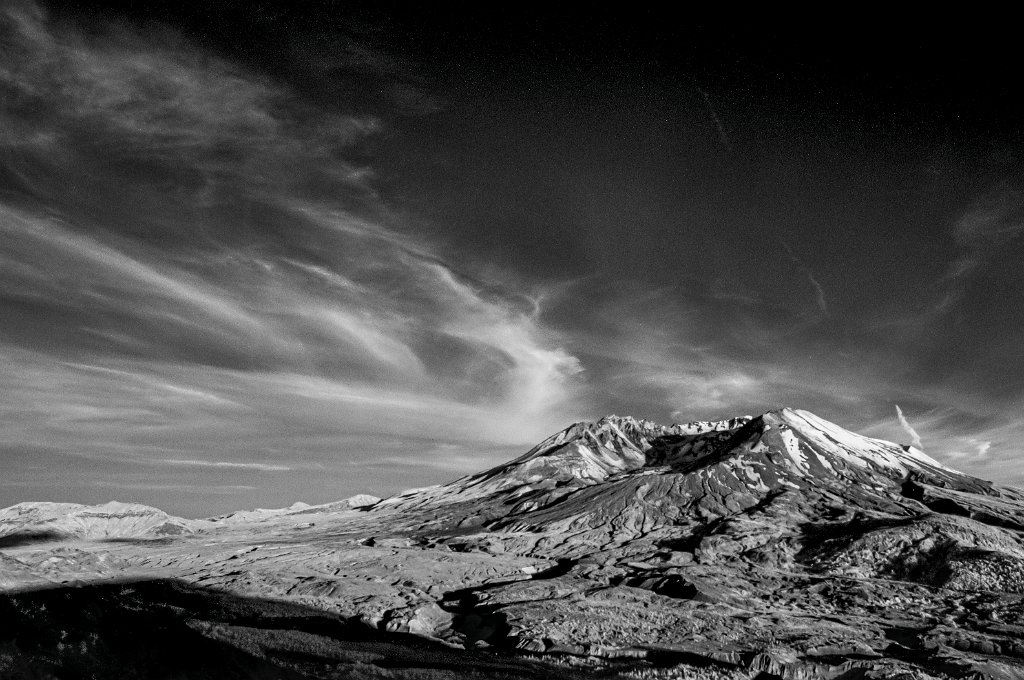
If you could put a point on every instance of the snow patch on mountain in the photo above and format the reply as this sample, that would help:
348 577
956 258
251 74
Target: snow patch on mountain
852 448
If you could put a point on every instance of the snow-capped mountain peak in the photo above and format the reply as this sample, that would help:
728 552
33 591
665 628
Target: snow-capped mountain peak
590 452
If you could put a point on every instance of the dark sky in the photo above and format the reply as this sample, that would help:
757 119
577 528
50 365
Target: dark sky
253 253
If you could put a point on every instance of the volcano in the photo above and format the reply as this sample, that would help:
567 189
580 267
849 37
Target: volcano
780 545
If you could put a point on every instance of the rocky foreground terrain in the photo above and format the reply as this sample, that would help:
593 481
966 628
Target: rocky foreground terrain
780 546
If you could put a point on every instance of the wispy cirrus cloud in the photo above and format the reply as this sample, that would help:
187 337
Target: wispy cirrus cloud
993 221
915 438
819 291
157 92
199 276
262 467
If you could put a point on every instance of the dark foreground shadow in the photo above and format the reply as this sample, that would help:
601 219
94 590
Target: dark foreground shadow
166 629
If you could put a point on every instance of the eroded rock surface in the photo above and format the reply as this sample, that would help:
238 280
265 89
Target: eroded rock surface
775 546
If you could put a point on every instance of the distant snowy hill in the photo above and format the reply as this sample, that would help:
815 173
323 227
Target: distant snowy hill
71 520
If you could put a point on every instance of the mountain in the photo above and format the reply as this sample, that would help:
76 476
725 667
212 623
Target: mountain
42 520
780 545
622 484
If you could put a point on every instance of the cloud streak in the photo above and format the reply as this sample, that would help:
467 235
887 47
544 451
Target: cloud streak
915 438
262 467
718 121
819 291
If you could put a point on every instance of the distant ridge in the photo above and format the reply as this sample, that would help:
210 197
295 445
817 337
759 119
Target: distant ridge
72 520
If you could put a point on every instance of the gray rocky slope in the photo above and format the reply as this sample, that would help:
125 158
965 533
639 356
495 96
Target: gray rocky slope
775 546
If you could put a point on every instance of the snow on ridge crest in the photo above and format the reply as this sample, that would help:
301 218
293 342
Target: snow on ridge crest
591 451
852 448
